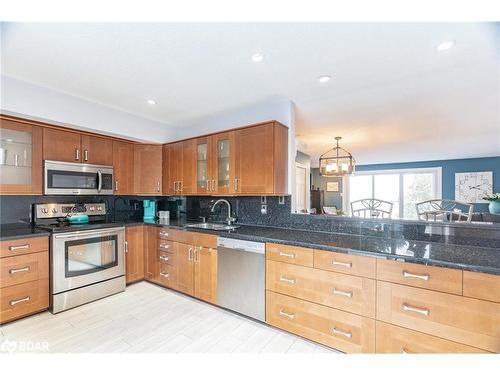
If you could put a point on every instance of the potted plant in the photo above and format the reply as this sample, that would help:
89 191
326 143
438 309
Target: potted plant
494 205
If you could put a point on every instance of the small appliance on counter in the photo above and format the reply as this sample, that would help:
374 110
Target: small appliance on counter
149 210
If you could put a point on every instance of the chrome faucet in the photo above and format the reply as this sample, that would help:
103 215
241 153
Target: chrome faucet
230 220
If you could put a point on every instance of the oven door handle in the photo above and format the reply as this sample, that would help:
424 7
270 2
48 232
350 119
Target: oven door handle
87 233
99 180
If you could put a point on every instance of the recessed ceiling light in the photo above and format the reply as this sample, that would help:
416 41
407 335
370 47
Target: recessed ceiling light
257 57
324 78
151 101
443 46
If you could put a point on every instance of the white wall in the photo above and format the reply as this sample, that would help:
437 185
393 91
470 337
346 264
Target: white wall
28 100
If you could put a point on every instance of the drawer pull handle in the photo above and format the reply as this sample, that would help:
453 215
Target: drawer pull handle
165 275
342 293
422 277
164 234
288 255
15 302
291 316
343 264
287 280
416 309
404 351
164 258
339 332
20 247
163 246
24 269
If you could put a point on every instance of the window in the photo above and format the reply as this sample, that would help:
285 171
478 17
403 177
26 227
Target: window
403 187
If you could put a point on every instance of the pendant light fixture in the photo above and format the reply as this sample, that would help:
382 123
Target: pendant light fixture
336 162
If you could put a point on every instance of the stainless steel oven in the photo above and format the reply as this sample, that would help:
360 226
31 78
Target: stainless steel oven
86 265
62 178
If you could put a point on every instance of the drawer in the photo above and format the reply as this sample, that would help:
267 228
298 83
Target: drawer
392 340
482 286
461 319
183 236
168 276
23 246
343 331
23 299
164 233
345 263
24 268
435 278
166 258
345 292
167 246
289 254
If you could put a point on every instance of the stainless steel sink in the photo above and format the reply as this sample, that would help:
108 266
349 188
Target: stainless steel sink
211 226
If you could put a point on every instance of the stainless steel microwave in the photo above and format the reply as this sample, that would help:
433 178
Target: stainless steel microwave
62 178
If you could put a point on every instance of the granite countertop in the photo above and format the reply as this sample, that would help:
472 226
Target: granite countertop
20 230
465 257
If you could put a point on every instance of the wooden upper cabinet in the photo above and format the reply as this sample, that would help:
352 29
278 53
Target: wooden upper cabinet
147 169
204 161
261 159
166 172
123 167
223 158
97 150
188 170
62 145
22 171
174 153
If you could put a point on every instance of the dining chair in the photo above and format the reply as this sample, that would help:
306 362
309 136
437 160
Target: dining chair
444 210
371 208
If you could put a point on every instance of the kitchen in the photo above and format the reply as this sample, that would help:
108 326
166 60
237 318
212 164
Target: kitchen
132 236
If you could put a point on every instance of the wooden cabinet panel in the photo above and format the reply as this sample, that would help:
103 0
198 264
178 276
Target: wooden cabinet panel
344 292
461 319
254 160
173 165
134 256
167 181
205 269
338 329
168 276
427 277
345 263
26 177
184 254
280 155
23 246
147 169
62 145
289 254
482 286
23 299
393 340
123 168
24 268
165 257
97 150
151 245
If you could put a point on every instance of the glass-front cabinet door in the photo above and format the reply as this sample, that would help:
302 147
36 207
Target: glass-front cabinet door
20 158
223 156
203 173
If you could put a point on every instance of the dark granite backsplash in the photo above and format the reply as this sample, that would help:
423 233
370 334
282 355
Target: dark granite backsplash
247 210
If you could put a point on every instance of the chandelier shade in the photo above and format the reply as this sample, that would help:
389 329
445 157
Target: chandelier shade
336 162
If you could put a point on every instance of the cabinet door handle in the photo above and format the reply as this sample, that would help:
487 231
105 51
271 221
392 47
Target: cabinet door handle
425 277
290 316
343 264
287 280
15 302
20 247
180 186
158 186
416 309
77 154
213 185
86 155
116 185
405 351
342 293
165 275
126 246
235 184
190 254
16 270
342 333
288 255
208 185
164 258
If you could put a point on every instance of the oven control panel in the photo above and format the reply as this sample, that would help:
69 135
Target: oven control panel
55 210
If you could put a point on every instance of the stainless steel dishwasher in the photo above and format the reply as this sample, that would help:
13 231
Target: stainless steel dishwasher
241 277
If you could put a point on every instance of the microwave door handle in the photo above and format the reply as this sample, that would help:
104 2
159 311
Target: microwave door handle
99 180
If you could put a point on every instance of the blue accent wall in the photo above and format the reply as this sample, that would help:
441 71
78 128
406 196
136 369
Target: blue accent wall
449 168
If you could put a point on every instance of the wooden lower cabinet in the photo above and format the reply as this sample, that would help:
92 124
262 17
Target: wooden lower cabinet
24 268
185 267
289 254
151 264
392 339
205 274
24 299
134 255
356 265
482 286
343 331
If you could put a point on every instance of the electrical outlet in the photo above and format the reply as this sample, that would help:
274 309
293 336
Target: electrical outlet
263 209
281 200
263 200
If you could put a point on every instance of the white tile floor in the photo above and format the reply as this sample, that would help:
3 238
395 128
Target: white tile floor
148 318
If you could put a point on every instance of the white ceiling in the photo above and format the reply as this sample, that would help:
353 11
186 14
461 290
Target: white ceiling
392 96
